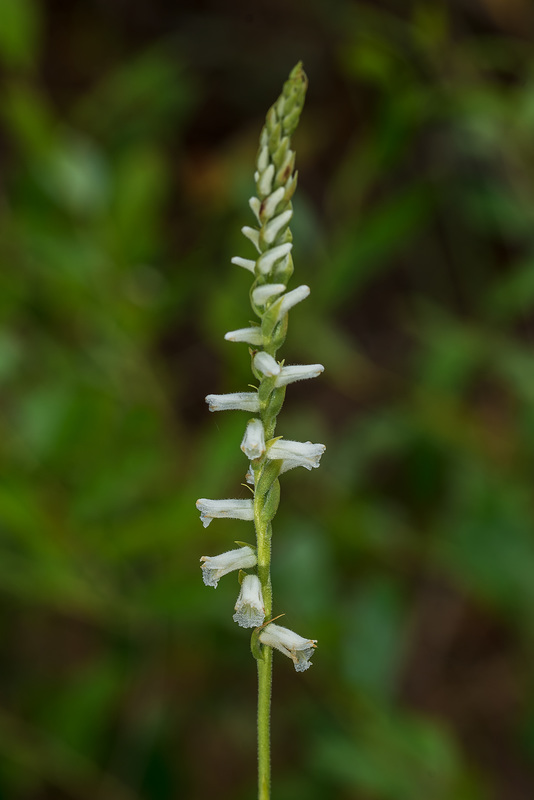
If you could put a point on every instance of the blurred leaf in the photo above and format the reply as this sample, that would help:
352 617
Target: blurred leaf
19 32
366 249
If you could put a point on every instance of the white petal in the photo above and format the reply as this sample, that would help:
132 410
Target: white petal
291 298
273 228
261 294
266 364
268 259
270 203
255 204
250 335
253 235
299 454
298 372
265 182
243 401
246 263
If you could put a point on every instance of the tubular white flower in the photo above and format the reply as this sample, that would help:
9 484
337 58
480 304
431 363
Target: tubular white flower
214 567
250 335
265 182
270 203
241 401
246 263
249 477
298 372
291 298
253 235
266 364
273 228
253 444
231 508
261 294
267 260
295 454
298 649
250 610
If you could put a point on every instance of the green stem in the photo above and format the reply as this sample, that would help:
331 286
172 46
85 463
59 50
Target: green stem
265 663
265 671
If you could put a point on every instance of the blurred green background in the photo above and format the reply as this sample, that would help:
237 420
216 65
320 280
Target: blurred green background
128 133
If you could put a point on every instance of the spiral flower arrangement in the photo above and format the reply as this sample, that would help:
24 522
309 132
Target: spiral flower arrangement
269 455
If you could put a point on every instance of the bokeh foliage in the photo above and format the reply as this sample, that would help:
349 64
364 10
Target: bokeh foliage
128 134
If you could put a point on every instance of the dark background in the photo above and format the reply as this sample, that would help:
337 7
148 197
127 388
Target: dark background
128 135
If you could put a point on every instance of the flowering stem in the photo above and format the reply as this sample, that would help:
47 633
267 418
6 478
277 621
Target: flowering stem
276 182
265 662
265 672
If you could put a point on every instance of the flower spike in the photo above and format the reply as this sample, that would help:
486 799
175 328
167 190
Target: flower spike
269 455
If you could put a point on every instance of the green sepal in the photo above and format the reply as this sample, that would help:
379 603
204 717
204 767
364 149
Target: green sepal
275 138
291 186
283 274
265 389
240 575
281 151
271 120
269 320
267 477
275 403
271 501
256 647
246 544
284 172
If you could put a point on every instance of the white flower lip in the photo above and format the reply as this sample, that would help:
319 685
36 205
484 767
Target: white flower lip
250 609
241 401
298 649
291 299
266 364
250 335
261 294
268 259
295 454
214 567
298 372
230 508
253 444
246 263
